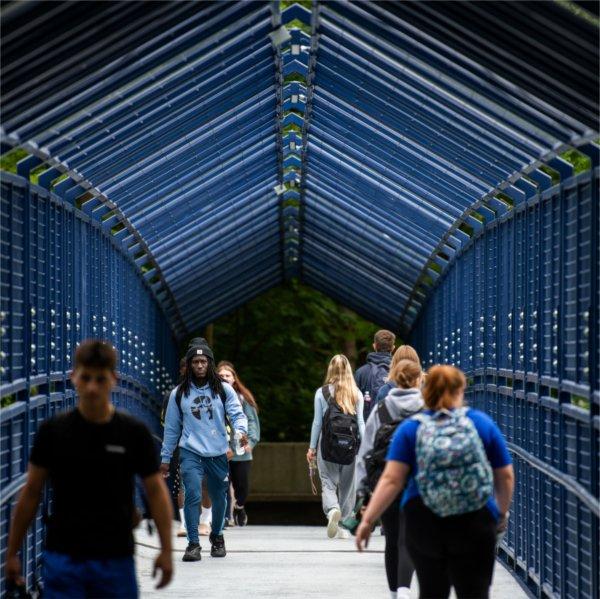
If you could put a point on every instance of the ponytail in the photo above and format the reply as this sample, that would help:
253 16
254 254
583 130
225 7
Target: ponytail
405 374
442 386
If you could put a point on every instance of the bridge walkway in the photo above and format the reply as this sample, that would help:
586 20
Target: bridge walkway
283 562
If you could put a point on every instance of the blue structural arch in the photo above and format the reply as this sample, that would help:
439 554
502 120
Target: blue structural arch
414 161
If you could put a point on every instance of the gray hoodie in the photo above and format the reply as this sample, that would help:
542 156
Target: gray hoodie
400 403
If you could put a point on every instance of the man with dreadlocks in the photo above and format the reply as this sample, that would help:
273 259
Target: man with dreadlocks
196 416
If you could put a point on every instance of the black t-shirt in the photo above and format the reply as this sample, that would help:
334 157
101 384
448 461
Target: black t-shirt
92 469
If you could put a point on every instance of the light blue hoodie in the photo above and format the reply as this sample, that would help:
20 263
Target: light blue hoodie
203 428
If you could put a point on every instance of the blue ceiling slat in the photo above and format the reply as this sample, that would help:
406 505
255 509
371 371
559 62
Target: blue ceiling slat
182 257
413 245
380 242
409 152
435 61
148 152
469 154
368 261
171 106
53 109
215 283
426 73
209 215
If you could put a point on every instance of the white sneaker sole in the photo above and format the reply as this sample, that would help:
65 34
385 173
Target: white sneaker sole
332 524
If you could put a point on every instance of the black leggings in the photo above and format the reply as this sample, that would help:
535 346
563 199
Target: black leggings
456 551
240 478
398 565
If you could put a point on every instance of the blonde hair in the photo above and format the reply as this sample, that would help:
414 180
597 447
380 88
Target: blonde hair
404 352
339 374
443 384
406 374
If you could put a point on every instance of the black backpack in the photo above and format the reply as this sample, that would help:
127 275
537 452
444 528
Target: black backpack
375 458
339 435
378 374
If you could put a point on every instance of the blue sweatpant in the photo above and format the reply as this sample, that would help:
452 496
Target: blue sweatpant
66 577
194 468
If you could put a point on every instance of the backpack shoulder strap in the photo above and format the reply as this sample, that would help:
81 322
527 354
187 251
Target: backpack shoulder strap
384 414
223 396
326 393
422 418
178 401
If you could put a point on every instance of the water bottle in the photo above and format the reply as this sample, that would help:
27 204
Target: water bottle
237 437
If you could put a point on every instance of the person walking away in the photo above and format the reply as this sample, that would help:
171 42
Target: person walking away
196 420
403 352
460 486
89 543
372 376
337 428
403 401
240 464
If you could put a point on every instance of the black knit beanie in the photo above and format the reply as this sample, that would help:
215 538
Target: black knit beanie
199 350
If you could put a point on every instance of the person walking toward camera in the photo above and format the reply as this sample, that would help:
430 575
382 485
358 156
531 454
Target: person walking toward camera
196 420
337 428
241 462
459 485
89 544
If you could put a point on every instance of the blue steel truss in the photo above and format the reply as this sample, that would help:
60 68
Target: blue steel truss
404 158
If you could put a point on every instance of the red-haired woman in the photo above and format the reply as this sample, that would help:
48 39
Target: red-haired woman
459 484
239 465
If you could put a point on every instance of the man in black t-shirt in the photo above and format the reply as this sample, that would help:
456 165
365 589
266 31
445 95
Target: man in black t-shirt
90 456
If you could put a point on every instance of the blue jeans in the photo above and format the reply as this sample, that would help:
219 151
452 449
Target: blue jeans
66 577
194 468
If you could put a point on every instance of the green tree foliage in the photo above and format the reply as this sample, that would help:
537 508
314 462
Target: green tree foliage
281 344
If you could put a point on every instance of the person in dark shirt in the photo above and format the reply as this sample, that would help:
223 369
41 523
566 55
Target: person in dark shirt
90 456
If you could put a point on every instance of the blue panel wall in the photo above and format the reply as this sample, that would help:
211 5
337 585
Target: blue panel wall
518 312
63 279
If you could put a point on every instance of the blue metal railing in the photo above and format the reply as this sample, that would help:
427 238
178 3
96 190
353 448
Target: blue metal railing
517 310
64 277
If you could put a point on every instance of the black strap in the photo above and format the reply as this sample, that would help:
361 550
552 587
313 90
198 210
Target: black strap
384 414
326 393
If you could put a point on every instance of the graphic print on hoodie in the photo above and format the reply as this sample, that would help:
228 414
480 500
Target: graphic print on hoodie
203 402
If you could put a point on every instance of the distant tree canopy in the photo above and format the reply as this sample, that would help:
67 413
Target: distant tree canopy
280 344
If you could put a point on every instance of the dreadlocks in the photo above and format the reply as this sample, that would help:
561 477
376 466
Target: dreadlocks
188 378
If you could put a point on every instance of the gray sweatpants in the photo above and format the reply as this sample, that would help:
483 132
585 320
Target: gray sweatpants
337 486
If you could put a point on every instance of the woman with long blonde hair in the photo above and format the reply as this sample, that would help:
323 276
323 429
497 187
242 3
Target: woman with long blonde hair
337 428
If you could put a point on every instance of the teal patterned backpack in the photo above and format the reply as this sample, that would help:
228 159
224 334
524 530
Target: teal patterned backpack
454 475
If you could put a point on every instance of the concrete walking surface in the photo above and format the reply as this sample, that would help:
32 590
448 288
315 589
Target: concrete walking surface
278 562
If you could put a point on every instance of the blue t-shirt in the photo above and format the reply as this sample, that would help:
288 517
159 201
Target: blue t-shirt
403 449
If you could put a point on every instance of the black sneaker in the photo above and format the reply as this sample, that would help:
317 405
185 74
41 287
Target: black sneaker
240 516
217 543
192 553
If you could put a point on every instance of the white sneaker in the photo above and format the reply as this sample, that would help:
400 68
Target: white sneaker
342 533
403 593
333 517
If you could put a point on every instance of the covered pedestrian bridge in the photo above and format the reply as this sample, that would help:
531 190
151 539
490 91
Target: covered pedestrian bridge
433 166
